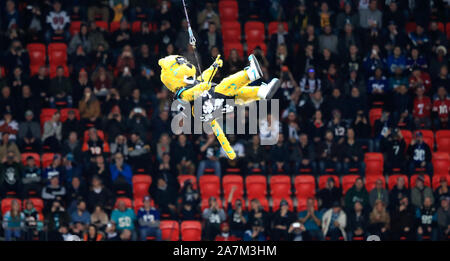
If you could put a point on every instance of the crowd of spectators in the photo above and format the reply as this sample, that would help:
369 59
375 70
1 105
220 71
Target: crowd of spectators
336 61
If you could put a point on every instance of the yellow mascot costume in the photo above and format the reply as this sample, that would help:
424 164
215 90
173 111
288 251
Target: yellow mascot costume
179 76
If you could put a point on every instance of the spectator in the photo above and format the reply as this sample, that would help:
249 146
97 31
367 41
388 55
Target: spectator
422 110
99 218
419 154
278 154
442 190
94 146
31 178
165 197
379 193
121 174
353 154
124 217
183 153
357 222
441 109
138 152
10 174
29 133
60 90
80 215
256 232
76 193
211 150
56 220
426 215
403 220
111 233
213 216
13 222
81 38
100 9
327 154
99 195
54 191
238 217
371 17
149 218
380 220
328 195
443 218
58 21
33 221
281 221
420 192
92 234
312 221
398 193
211 38
357 193
207 16
52 135
54 169
393 148
9 125
334 222
190 201
225 233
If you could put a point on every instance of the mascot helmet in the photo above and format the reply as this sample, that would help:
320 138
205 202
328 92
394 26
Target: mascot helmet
176 72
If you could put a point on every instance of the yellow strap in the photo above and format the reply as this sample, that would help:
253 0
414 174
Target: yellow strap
218 132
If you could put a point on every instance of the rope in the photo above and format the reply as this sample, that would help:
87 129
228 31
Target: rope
192 39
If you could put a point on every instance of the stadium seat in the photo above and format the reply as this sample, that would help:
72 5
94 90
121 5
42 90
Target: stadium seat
428 137
374 114
407 137
191 231
6 204
348 181
273 27
443 141
47 159
128 202
37 203
436 180
301 204
170 230
374 163
57 54
183 178
37 158
254 31
136 26
280 186
46 114
37 54
231 31
427 181
141 184
65 111
228 181
114 26
441 163
74 27
305 186
410 27
102 24
392 181
228 10
256 186
251 46
209 186
276 204
324 178
228 47
370 182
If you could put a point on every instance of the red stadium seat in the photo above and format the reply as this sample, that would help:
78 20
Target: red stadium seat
231 31
273 27
374 114
407 137
100 133
301 204
136 26
102 24
276 204
183 178
427 181
252 46
47 159
370 182
441 27
74 27
305 186
443 140
436 181
228 47
428 137
323 181
228 10
209 186
6 204
254 31
228 182
392 181
170 230
128 202
348 181
141 184
191 231
37 54
65 112
374 163
280 186
410 27
256 186
37 203
114 26
441 163
37 158
57 54
46 114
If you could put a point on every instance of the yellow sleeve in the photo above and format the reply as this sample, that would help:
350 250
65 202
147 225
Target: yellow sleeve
208 74
193 92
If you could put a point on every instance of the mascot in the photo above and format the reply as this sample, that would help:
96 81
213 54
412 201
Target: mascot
179 76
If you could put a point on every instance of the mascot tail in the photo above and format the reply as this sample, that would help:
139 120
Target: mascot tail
223 140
